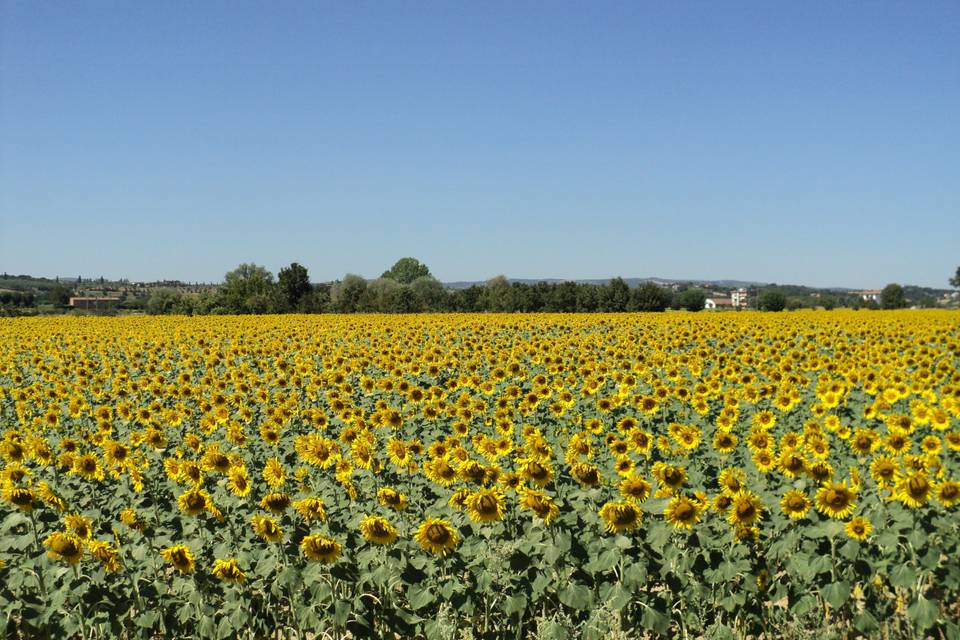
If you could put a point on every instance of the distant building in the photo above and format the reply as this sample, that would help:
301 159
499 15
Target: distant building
869 294
740 298
718 303
96 303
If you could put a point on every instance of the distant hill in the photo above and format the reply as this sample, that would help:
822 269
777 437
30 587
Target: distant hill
631 282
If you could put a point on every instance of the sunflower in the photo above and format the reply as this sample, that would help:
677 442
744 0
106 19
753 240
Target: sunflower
458 499
485 505
228 571
732 480
537 472
724 441
129 518
795 504
791 463
635 488
108 556
746 509
266 528
20 497
540 503
64 546
274 474
914 490
194 501
764 461
237 481
682 513
858 528
320 548
378 530
721 503
586 474
392 499
275 502
79 525
436 536
948 493
835 499
883 470
670 477
311 509
181 557
620 516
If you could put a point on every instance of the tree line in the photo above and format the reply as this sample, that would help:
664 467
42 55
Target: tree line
409 287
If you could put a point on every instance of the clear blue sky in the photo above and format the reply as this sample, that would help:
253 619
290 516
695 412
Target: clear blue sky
803 142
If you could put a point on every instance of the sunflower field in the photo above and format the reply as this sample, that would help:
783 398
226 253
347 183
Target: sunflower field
481 476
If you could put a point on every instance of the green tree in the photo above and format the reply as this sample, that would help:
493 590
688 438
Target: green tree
248 289
772 300
294 284
496 294
615 296
649 297
692 299
406 270
892 297
345 296
164 301
955 280
430 293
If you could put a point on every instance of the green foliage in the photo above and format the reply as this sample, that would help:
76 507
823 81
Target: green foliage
294 285
406 270
650 297
249 288
892 297
772 300
691 299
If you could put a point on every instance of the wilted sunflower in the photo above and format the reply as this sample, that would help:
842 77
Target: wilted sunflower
392 499
620 516
320 548
540 503
682 512
311 509
228 571
836 499
266 528
180 556
108 556
436 536
795 504
275 502
64 546
486 505
378 530
20 497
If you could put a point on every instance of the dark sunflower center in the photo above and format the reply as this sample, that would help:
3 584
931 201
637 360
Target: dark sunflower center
918 487
438 534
